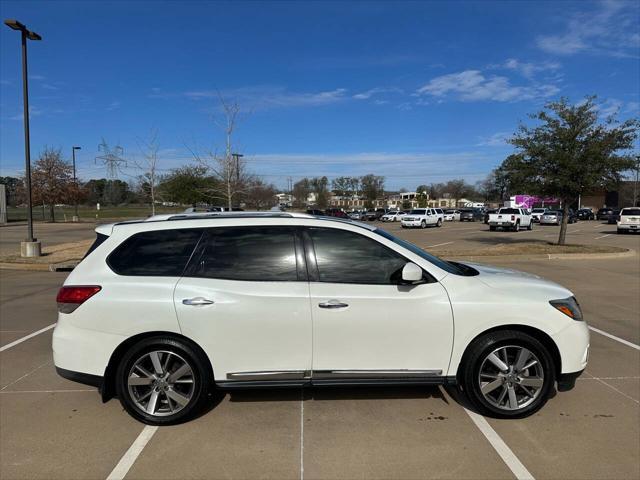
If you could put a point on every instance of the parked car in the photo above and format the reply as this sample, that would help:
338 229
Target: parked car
552 217
161 312
451 215
336 212
536 213
439 213
393 216
316 212
488 212
510 218
357 215
471 215
586 214
421 217
629 220
573 216
613 217
604 213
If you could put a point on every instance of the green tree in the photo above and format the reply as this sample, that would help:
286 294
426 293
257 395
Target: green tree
187 185
570 151
372 187
320 186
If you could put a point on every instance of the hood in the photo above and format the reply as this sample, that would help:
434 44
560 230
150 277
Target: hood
515 280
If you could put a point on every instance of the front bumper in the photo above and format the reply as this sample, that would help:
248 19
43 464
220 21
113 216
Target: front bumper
411 223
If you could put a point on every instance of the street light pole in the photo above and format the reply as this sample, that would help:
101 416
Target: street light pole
75 183
30 247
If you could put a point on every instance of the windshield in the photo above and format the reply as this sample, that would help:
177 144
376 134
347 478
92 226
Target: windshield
417 212
450 267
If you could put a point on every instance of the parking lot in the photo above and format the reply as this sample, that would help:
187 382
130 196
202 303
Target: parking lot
53 428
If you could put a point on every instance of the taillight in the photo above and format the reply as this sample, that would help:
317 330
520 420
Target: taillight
70 298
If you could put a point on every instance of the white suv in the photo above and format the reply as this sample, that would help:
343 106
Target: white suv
161 312
423 218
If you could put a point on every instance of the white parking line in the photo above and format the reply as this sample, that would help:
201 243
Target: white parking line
607 235
615 389
439 244
501 448
613 337
301 434
131 455
31 335
25 375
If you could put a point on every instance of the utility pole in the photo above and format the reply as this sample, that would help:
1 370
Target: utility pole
75 183
31 246
635 184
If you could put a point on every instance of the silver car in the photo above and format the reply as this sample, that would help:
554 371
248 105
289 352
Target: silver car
551 217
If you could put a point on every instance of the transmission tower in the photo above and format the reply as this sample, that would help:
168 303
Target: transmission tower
112 159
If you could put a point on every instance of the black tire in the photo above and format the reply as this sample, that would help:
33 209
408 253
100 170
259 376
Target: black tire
439 224
201 375
516 227
620 231
423 224
477 352
530 227
492 228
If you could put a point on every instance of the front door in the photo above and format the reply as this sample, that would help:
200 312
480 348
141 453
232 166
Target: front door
366 325
245 300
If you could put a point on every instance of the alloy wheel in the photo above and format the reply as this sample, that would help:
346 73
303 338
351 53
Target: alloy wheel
511 377
161 383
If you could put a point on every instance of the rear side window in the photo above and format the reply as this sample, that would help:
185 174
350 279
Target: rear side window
100 238
249 254
160 253
512 211
347 257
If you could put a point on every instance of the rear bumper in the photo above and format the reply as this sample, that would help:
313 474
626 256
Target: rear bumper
629 226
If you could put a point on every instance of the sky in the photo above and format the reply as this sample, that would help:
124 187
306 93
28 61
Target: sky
419 92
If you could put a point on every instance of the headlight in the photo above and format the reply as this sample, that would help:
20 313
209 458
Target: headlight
568 306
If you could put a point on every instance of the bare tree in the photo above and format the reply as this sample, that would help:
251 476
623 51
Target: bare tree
149 165
228 168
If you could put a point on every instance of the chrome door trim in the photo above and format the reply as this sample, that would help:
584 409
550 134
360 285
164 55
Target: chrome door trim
269 375
374 374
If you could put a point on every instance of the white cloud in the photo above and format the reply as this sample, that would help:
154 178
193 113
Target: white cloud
473 85
375 91
263 98
496 140
610 106
113 106
37 77
528 69
612 29
33 112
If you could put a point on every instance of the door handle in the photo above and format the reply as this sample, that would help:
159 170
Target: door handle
197 301
333 304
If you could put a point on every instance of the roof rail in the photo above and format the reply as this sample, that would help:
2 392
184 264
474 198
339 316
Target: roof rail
200 216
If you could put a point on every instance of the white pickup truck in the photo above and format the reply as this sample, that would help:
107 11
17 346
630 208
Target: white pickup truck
511 218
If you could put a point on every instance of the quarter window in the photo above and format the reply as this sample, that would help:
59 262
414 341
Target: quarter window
248 254
162 253
347 257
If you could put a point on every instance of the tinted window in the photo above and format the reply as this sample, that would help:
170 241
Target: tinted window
630 211
157 253
347 257
249 254
417 212
510 211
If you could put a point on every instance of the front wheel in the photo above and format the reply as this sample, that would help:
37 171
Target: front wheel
163 381
439 223
423 224
507 374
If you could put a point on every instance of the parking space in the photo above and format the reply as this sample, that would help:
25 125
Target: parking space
52 428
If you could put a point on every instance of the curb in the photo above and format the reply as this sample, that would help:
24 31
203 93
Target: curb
545 256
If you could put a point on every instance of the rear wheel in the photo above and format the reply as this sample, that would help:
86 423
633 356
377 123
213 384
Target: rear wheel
516 227
507 374
530 227
163 381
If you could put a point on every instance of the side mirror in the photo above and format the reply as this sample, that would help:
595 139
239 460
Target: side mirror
411 273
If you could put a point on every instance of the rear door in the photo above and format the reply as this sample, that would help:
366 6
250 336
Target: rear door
245 300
